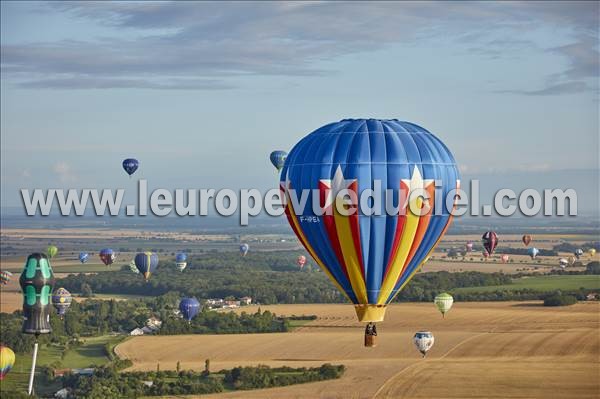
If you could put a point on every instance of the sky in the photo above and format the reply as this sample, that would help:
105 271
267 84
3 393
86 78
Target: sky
201 93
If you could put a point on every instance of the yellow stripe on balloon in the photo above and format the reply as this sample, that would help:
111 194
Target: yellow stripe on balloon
397 266
309 248
344 233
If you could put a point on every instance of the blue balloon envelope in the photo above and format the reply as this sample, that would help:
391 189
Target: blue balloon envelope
370 257
189 308
130 165
278 158
180 257
83 257
146 263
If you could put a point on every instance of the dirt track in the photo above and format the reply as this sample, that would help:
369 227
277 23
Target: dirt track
502 350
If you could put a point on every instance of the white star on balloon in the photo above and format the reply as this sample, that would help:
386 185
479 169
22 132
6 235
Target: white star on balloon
335 185
416 182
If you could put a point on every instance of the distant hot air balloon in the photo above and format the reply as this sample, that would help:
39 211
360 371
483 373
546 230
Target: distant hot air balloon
189 308
469 246
489 241
369 258
7 360
130 165
562 262
504 258
533 252
5 277
592 252
244 249
146 263
83 257
51 251
301 261
107 256
526 239
61 299
423 341
133 267
443 302
278 159
578 252
181 261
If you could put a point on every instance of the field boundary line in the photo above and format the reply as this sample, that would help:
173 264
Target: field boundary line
425 363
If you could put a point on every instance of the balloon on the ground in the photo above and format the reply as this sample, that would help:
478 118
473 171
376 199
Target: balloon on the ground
443 302
278 159
489 241
130 165
504 258
189 308
533 252
83 257
7 360
423 341
51 251
37 282
578 252
370 258
469 246
244 249
571 260
526 239
146 263
5 276
181 261
61 300
301 261
592 251
107 256
562 262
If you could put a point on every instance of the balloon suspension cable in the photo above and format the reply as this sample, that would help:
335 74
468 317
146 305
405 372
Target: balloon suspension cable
33 361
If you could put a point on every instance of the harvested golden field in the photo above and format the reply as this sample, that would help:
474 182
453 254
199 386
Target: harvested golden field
502 350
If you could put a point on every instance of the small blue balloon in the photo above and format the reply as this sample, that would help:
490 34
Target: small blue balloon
130 165
189 308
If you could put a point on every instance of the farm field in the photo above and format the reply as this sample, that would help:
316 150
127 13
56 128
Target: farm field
503 350
542 283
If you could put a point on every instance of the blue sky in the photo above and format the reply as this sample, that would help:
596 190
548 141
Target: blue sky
201 93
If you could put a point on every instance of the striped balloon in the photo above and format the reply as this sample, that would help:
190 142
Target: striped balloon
7 360
146 263
5 277
443 302
369 257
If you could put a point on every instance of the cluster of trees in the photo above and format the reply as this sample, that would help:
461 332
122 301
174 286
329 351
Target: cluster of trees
560 299
265 377
107 383
568 247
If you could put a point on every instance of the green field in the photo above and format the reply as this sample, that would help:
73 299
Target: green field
90 353
542 284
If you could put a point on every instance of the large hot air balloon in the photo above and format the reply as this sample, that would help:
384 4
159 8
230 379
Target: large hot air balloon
533 252
37 281
301 261
562 262
526 239
578 252
244 249
369 258
423 341
181 261
189 308
130 165
51 251
83 257
469 246
61 299
278 159
443 302
592 252
504 258
7 360
146 263
5 277
107 256
489 241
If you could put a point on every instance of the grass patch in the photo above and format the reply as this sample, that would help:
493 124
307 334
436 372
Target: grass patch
541 284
